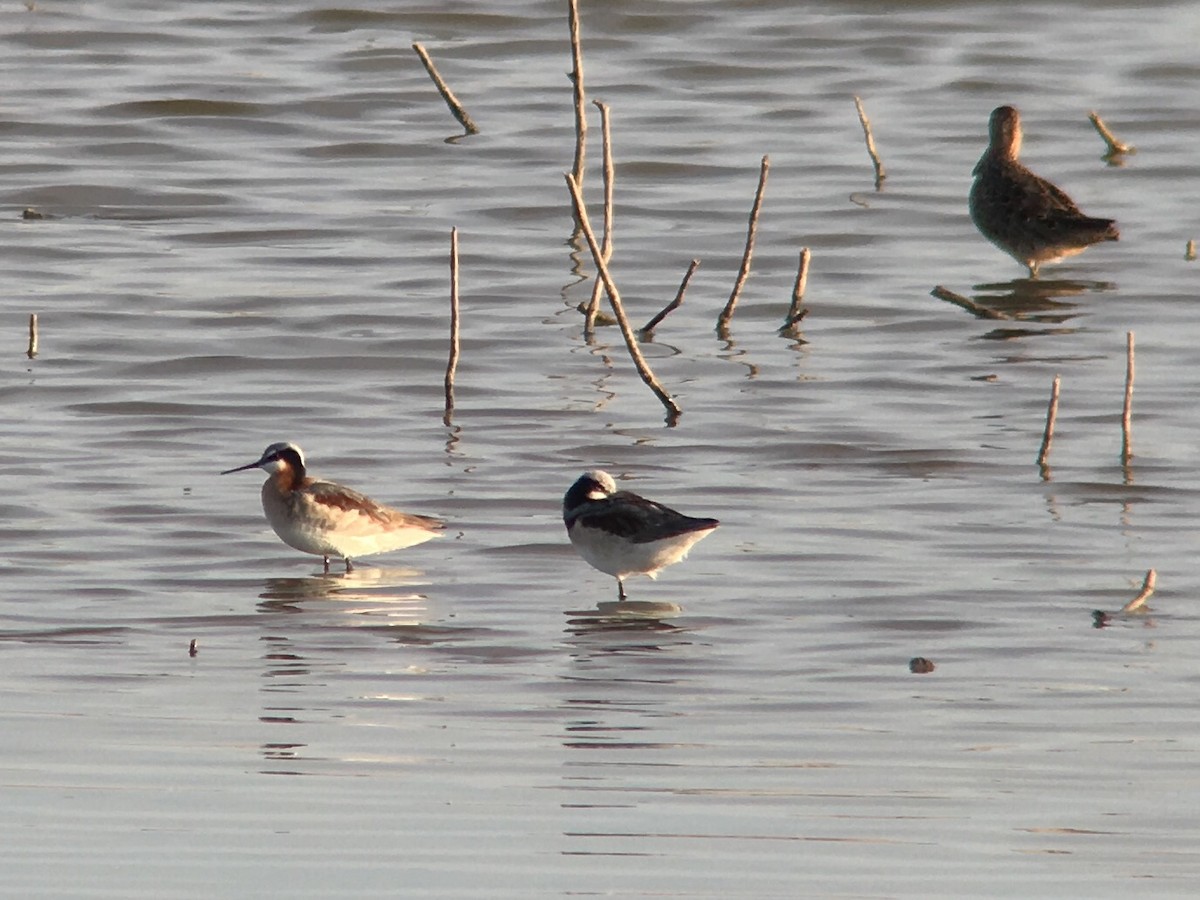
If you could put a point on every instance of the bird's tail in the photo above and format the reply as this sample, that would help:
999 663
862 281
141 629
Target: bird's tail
1105 229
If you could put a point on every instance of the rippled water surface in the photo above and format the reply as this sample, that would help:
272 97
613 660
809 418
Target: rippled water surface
238 233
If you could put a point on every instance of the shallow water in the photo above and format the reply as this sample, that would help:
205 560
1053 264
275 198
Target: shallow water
246 215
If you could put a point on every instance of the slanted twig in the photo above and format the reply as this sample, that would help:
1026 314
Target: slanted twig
614 299
593 307
797 310
33 336
982 312
1127 408
1115 147
1102 619
880 173
751 234
456 108
1051 418
649 327
1143 595
576 76
1190 252
452 364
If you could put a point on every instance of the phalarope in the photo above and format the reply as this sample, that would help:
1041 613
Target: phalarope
328 519
622 534
1026 216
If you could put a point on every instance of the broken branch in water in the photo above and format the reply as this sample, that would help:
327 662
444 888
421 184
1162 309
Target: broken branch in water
797 310
1144 595
33 336
982 312
649 327
880 174
614 298
751 234
456 108
1115 147
1101 619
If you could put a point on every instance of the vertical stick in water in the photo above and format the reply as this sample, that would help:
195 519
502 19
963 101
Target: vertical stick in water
796 311
1127 410
880 174
576 76
606 247
751 233
1051 418
452 365
33 336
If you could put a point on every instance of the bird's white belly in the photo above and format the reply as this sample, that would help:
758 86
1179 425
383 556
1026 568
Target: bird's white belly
325 531
620 557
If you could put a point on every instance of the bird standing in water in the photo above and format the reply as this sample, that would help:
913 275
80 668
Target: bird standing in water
623 534
1026 216
328 519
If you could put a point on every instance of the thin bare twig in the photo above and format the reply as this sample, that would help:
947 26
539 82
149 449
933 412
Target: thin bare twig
797 311
751 234
33 336
593 307
452 364
1147 589
576 76
614 298
1115 147
649 327
982 312
1051 418
880 173
456 108
1127 408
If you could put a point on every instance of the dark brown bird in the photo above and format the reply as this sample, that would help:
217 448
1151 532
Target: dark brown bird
1027 217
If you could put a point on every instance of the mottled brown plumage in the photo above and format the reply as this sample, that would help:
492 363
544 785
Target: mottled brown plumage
329 519
1027 217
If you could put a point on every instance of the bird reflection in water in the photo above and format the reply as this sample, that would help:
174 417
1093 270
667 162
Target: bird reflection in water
1040 302
374 593
596 621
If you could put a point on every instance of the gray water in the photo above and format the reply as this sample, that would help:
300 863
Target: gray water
246 211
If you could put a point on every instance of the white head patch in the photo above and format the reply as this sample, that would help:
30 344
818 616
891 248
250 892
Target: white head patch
605 486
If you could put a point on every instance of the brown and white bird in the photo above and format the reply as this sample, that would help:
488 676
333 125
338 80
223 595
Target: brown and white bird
623 534
328 519
1027 217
